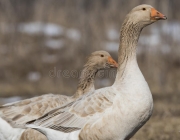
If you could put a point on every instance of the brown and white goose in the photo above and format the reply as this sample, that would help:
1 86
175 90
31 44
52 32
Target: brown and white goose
111 113
26 110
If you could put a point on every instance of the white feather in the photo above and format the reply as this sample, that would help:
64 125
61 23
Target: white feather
9 133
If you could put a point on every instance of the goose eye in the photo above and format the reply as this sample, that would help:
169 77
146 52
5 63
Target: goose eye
144 9
102 55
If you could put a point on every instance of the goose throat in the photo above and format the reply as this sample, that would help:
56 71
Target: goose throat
86 81
129 36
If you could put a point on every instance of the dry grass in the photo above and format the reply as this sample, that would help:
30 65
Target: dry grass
21 53
160 129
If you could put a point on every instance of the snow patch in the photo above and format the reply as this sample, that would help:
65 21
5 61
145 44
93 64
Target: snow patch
10 99
54 43
73 34
48 29
34 76
112 34
111 46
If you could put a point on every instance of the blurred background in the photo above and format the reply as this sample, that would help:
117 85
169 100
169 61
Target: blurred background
39 39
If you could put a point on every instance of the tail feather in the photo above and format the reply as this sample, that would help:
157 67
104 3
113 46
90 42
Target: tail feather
54 134
9 133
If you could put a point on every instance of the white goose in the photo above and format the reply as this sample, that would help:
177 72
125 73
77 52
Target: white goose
112 113
26 110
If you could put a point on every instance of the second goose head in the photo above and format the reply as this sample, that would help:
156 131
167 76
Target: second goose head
101 60
98 60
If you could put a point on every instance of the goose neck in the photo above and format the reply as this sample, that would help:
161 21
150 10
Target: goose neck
86 81
129 37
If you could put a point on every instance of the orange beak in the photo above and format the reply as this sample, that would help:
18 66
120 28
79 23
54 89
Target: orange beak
156 15
112 62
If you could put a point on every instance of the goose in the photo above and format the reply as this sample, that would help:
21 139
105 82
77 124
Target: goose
26 110
111 113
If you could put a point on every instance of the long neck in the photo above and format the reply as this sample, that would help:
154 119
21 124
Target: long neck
86 81
129 36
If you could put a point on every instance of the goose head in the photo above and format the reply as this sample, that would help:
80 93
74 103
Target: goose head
145 15
101 60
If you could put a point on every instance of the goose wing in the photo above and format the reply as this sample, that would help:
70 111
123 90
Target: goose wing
18 113
76 114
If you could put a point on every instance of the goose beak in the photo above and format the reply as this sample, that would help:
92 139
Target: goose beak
156 15
112 62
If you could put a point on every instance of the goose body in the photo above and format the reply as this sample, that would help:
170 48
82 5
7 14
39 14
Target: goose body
111 113
26 110
117 111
